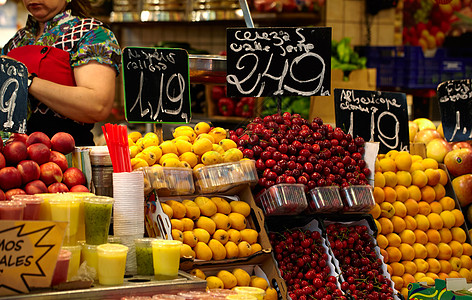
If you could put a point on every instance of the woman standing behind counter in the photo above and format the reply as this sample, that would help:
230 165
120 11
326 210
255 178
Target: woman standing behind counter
72 63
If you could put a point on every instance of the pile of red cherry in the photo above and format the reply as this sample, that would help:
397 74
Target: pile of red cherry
290 149
304 265
361 269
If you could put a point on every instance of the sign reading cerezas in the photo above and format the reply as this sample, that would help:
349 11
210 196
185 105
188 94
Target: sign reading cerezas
28 254
156 85
264 62
376 116
13 95
455 104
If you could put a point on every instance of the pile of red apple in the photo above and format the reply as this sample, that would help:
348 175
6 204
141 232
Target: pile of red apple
303 264
289 149
37 164
361 268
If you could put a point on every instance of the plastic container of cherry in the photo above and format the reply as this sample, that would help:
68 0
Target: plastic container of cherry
325 199
358 198
283 199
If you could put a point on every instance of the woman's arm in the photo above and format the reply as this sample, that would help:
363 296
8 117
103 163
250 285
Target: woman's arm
90 101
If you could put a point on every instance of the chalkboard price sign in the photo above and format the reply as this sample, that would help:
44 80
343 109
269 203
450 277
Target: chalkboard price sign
265 62
376 116
156 85
455 104
13 95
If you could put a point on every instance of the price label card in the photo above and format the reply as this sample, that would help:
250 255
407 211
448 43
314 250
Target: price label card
376 116
455 104
265 62
156 85
28 254
13 95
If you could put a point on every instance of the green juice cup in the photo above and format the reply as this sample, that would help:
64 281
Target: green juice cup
97 216
144 260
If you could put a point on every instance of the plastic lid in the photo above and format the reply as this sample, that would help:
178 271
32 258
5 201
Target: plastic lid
99 200
64 254
249 290
12 203
144 242
165 243
72 248
111 248
64 198
28 199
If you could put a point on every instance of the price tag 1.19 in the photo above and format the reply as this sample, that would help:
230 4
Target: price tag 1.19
455 104
265 62
13 95
376 116
156 85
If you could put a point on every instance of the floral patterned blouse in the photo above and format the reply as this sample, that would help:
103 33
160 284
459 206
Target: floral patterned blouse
86 39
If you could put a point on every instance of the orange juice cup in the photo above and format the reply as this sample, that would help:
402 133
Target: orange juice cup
66 209
111 263
166 258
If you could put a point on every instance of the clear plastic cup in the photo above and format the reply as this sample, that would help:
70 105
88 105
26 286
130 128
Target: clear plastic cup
11 210
97 216
62 267
81 196
45 209
241 297
74 261
144 260
33 205
90 256
66 209
111 263
166 258
250 291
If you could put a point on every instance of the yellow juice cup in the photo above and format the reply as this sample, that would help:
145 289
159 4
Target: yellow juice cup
90 255
250 291
111 263
66 209
166 258
81 230
45 209
74 261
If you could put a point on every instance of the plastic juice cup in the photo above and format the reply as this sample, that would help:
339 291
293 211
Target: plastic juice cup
66 209
11 210
62 267
45 209
74 261
33 205
90 255
252 291
166 258
111 263
241 297
144 260
97 216
81 195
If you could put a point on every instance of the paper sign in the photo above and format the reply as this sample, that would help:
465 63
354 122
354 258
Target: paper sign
13 95
376 116
455 103
265 62
156 85
28 254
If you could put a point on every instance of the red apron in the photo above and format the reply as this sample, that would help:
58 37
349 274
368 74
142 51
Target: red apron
51 64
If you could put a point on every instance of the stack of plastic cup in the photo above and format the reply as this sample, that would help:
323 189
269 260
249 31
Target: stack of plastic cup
33 205
128 212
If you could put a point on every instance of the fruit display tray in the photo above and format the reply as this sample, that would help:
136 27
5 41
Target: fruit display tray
225 176
168 181
283 199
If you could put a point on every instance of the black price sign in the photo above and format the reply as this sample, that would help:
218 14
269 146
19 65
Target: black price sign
455 104
264 62
13 95
156 85
376 116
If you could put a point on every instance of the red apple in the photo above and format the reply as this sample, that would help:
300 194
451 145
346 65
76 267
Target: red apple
2 196
10 178
15 152
58 187
459 161
459 145
22 137
29 170
63 142
79 189
3 162
36 187
73 176
426 135
1 144
462 186
10 193
38 137
39 152
60 159
437 149
50 173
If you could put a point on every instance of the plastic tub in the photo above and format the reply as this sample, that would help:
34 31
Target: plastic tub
283 199
251 291
358 198
168 181
326 199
